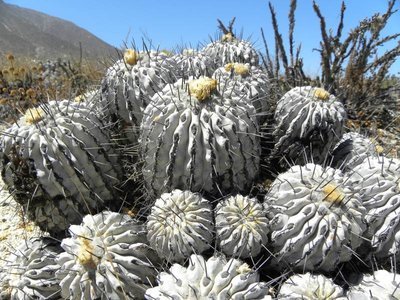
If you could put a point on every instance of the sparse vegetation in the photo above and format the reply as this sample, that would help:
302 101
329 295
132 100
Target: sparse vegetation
25 82
352 67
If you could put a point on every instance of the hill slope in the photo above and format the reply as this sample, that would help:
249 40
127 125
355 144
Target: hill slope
28 33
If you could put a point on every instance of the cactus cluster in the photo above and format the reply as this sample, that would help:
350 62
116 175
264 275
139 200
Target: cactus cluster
352 149
381 284
59 163
249 80
193 63
29 272
180 223
308 122
231 49
128 87
241 226
317 219
377 179
214 278
310 287
107 257
198 138
202 225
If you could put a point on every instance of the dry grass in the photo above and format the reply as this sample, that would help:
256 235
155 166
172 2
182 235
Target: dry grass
25 82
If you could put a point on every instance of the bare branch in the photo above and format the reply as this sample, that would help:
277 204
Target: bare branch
278 40
293 4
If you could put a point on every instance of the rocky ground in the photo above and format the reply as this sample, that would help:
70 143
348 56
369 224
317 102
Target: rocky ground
14 227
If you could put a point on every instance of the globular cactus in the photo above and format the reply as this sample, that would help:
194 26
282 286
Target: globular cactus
29 272
310 287
193 63
241 226
379 285
377 181
252 81
180 223
106 257
317 220
308 122
352 149
215 278
128 86
231 49
195 138
58 162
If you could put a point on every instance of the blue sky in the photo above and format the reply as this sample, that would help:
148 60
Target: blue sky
176 22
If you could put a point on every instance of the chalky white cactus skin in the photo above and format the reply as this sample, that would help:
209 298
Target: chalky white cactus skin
317 219
250 80
307 119
58 162
193 63
180 223
230 49
380 285
194 138
241 226
29 272
310 287
352 149
129 85
215 278
106 257
377 180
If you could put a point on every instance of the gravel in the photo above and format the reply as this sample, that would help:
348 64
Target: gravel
14 227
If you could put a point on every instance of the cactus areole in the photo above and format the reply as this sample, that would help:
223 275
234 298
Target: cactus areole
202 88
34 115
131 57
321 94
238 68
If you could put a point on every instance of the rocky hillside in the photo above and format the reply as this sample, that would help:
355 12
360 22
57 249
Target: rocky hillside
28 33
